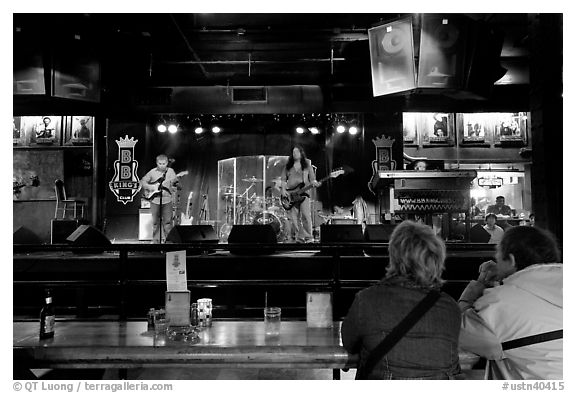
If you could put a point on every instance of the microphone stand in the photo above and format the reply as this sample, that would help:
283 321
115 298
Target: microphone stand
162 179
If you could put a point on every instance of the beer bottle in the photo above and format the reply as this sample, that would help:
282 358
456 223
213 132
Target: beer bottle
47 318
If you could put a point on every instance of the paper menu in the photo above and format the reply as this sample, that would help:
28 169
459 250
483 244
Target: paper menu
319 309
176 280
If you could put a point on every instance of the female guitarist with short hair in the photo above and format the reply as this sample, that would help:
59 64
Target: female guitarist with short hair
299 170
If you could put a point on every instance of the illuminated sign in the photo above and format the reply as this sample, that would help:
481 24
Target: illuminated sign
490 182
125 184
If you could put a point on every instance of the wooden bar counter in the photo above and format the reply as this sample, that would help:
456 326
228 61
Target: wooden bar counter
227 344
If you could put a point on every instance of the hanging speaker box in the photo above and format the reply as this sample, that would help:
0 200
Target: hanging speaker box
443 43
392 57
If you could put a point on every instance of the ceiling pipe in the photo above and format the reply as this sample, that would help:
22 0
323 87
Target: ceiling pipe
192 51
249 61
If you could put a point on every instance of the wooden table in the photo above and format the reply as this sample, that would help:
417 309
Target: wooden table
227 344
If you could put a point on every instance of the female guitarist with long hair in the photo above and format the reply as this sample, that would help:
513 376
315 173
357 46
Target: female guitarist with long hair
298 171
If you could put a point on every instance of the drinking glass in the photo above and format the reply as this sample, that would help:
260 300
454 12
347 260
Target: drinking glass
272 320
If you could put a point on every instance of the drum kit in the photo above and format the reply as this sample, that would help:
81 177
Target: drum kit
253 209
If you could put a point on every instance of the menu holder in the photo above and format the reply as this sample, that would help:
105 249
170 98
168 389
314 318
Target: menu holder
319 309
178 308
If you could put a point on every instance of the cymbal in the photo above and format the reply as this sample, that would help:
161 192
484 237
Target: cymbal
252 180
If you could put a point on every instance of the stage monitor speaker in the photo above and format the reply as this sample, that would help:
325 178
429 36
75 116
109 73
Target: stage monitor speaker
443 44
87 235
392 57
344 233
246 234
192 234
61 229
23 235
379 233
479 235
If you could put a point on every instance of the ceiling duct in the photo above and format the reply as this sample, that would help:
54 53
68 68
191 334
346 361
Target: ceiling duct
249 95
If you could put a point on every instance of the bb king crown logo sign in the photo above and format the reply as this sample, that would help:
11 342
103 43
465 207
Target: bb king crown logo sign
125 184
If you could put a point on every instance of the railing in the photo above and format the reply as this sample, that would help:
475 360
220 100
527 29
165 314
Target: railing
130 277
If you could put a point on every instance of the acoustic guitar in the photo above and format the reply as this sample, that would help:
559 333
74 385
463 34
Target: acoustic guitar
151 194
298 193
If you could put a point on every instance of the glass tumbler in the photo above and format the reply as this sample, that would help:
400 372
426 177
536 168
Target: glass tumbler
272 320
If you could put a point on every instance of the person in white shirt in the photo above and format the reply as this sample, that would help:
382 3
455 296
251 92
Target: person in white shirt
494 230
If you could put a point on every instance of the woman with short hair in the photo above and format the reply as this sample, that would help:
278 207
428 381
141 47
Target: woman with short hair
429 350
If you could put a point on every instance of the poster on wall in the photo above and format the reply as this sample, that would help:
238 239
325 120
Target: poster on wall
16 130
510 128
409 129
79 130
431 128
38 130
474 129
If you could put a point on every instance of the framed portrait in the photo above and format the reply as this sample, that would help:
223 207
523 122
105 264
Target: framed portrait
17 130
474 129
79 130
42 130
409 129
510 128
435 129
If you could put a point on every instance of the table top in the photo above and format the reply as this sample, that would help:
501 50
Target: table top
81 344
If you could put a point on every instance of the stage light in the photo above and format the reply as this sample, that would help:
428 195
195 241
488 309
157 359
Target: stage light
216 129
314 130
340 129
172 128
353 130
300 130
198 130
161 128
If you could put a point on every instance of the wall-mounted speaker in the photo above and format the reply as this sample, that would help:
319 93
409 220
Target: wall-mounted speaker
392 57
443 44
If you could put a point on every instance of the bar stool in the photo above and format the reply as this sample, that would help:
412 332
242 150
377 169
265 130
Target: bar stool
62 201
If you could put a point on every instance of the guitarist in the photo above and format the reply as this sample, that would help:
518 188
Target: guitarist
299 170
164 179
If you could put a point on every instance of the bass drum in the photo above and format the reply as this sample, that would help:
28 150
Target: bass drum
279 223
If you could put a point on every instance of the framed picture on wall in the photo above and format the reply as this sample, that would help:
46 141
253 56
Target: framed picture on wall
40 130
435 128
17 130
79 130
510 129
409 129
46 130
474 129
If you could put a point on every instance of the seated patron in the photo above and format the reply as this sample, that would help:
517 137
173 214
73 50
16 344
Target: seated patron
494 230
429 350
500 208
527 303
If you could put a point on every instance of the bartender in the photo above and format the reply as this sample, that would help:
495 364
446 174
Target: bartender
500 208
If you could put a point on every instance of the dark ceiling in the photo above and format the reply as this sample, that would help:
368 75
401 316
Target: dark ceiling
237 49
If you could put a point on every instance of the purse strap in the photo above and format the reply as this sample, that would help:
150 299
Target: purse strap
400 330
535 339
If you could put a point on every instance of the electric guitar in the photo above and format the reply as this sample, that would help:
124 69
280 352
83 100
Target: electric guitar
186 218
151 194
298 193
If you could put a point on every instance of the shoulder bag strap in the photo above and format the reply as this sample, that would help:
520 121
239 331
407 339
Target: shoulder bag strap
535 339
400 330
